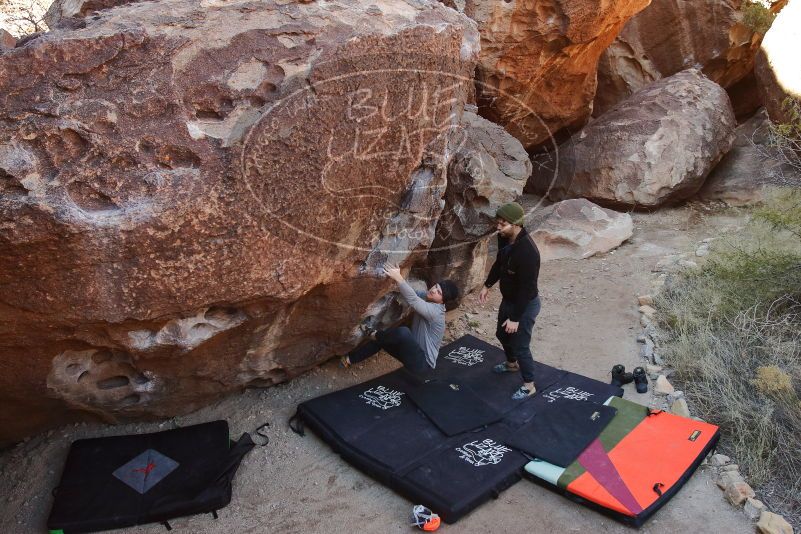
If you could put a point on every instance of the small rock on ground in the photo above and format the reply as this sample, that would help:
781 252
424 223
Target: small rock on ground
729 478
738 492
680 408
753 508
717 460
653 370
662 386
645 300
648 311
770 523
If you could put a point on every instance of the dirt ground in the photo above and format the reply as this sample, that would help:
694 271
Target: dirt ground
589 322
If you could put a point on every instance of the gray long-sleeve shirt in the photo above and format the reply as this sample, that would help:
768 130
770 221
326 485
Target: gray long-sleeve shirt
428 323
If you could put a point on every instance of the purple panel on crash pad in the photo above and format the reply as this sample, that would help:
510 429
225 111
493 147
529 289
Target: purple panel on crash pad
597 463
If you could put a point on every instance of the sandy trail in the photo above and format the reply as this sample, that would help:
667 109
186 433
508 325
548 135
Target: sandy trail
588 323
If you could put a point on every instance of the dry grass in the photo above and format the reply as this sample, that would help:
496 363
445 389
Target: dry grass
732 330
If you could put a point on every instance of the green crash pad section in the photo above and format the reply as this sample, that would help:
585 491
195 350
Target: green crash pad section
629 415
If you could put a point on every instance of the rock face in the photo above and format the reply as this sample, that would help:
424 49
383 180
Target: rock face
7 41
653 148
776 67
538 61
196 196
489 168
60 10
578 229
751 169
669 36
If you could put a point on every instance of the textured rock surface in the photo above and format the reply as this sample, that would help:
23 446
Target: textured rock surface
669 36
750 170
770 523
537 71
655 147
738 493
577 228
60 10
6 40
777 69
194 194
489 168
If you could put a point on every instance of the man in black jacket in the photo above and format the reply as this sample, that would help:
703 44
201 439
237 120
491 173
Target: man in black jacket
517 267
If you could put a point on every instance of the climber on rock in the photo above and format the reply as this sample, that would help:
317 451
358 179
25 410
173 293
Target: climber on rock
417 347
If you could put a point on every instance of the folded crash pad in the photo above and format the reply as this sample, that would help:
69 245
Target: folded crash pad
560 431
637 463
122 481
453 407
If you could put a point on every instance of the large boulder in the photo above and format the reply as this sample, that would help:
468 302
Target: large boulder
489 168
777 64
195 197
538 61
752 169
653 148
669 36
578 229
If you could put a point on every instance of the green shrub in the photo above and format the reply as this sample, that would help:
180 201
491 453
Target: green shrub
757 16
784 139
734 337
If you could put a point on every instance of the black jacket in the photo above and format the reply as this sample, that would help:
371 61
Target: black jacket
517 267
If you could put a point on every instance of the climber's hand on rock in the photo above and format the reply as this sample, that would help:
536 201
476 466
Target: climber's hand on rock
393 272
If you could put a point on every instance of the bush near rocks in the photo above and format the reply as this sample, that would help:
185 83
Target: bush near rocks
757 16
732 330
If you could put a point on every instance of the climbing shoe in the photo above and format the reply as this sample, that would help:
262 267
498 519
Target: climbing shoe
524 393
368 327
620 376
640 379
506 367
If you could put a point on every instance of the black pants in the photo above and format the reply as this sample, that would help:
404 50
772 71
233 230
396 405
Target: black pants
400 344
517 346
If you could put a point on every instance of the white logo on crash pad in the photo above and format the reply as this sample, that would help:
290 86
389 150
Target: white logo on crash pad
381 397
567 393
466 356
486 452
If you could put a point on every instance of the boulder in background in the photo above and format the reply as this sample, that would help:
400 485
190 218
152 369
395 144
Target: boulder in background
653 148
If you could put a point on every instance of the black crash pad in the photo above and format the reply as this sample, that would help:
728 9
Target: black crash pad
121 481
560 431
455 408
397 430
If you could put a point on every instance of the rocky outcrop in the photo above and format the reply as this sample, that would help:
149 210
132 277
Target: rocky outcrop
60 10
751 169
777 70
489 168
196 196
538 61
655 147
669 36
578 229
7 41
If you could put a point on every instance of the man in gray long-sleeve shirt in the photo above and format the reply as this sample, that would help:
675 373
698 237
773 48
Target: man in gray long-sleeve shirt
416 348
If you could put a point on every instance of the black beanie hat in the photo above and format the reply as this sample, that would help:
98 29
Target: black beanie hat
450 291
